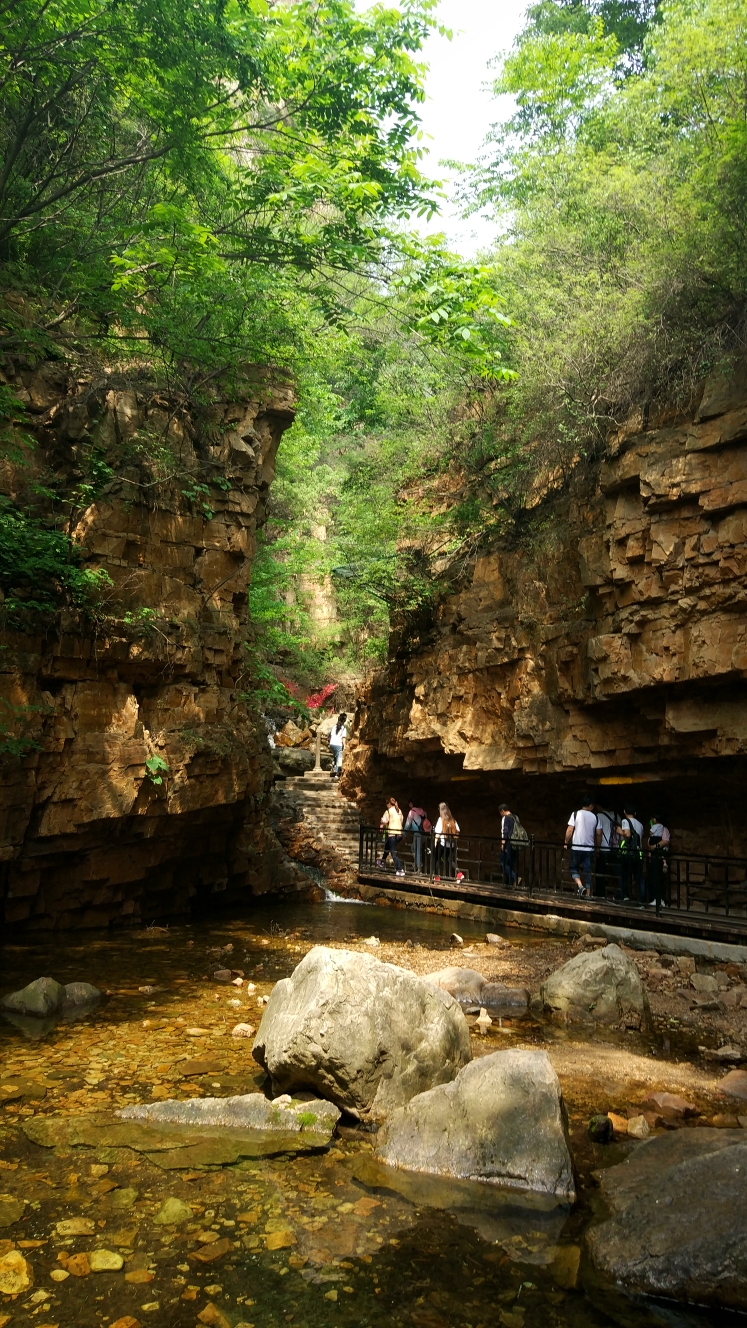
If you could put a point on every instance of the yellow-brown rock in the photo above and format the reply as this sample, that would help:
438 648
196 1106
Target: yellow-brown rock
609 648
89 836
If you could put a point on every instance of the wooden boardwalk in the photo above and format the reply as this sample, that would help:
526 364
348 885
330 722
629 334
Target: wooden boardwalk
693 922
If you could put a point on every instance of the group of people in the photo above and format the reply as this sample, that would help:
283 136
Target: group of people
607 850
611 849
394 825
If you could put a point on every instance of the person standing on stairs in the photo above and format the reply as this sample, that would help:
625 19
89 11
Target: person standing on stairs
392 823
337 739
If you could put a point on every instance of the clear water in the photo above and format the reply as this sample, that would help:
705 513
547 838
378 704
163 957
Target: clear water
355 1243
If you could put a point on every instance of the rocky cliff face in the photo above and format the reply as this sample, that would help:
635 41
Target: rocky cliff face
608 649
88 835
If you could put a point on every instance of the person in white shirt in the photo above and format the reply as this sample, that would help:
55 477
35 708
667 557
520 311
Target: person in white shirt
583 834
337 739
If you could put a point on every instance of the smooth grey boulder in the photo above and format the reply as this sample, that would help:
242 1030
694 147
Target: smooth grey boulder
464 984
80 993
364 1034
248 1111
679 1218
469 987
40 998
501 1120
601 986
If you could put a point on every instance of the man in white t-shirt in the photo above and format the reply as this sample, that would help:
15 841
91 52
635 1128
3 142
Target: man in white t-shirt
583 834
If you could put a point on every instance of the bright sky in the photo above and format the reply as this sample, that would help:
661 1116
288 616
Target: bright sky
460 107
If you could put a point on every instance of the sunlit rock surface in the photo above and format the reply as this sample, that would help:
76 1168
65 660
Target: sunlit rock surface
501 1120
87 836
599 986
679 1218
249 1110
364 1034
610 643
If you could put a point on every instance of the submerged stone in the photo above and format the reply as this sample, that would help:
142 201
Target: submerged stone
11 1209
248 1111
513 1219
80 993
172 1213
105 1261
42 997
15 1273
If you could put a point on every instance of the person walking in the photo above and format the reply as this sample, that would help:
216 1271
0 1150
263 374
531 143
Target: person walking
337 739
446 831
659 840
391 823
417 821
631 855
508 850
584 835
607 863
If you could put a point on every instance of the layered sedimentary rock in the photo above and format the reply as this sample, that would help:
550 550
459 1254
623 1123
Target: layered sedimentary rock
145 774
608 646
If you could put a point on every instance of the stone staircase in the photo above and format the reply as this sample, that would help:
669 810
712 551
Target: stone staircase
329 815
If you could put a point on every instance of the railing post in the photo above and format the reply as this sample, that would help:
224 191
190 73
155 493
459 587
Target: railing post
432 872
530 874
360 847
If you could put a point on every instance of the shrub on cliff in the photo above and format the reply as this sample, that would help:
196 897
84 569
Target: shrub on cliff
620 187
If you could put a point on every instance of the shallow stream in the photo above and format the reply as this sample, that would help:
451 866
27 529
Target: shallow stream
325 1238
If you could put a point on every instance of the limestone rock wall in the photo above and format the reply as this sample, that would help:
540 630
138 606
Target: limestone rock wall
87 836
609 648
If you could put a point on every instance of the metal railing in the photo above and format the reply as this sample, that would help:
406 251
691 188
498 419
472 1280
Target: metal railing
692 882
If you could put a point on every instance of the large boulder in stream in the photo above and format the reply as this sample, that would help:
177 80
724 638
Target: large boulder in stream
679 1218
501 1120
364 1034
601 986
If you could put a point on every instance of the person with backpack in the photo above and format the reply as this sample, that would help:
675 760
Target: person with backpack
607 859
391 824
337 739
417 821
513 837
584 836
631 856
447 829
659 840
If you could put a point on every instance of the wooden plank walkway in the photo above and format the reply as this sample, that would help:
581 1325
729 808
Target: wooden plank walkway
697 923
